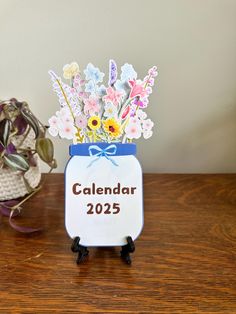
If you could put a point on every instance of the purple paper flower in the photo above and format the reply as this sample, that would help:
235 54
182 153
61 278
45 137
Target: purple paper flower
81 121
153 71
141 102
132 110
149 80
112 72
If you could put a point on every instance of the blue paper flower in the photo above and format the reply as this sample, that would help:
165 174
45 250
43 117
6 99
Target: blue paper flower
127 72
101 90
90 87
121 85
93 73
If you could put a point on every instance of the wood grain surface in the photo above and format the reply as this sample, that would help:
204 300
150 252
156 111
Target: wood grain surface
185 259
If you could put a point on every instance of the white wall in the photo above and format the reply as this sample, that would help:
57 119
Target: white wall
193 43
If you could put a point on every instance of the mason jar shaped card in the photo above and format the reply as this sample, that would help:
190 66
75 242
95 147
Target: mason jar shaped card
103 178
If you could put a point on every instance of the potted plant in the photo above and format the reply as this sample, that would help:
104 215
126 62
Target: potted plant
23 142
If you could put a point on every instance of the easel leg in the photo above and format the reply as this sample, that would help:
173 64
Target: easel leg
127 249
81 250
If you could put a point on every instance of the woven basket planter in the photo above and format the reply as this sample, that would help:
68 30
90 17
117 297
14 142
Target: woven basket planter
11 182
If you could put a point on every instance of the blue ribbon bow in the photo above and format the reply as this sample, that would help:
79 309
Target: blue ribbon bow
96 151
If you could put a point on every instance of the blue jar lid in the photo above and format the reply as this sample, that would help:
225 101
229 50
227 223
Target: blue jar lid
89 149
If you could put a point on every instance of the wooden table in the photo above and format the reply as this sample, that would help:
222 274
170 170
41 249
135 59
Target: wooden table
185 259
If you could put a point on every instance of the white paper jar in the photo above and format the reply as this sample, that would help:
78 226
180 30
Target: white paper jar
103 194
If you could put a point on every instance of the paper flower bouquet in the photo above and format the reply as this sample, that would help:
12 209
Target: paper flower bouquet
93 112
103 178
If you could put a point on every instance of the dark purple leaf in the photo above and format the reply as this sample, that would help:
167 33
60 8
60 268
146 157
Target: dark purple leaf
11 149
20 124
5 209
21 228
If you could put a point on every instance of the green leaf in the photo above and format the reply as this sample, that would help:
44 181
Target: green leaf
5 130
31 120
45 150
53 164
16 162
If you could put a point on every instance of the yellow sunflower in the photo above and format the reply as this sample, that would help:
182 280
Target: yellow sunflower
112 127
94 122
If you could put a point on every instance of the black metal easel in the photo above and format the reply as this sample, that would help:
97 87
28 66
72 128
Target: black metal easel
83 251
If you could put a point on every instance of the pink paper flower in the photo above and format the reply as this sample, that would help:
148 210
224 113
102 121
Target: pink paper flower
113 95
137 89
91 105
78 81
125 113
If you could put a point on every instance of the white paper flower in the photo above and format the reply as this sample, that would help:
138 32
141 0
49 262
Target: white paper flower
53 121
67 131
53 126
53 131
110 110
147 124
64 115
135 120
70 70
62 123
141 114
147 134
133 129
